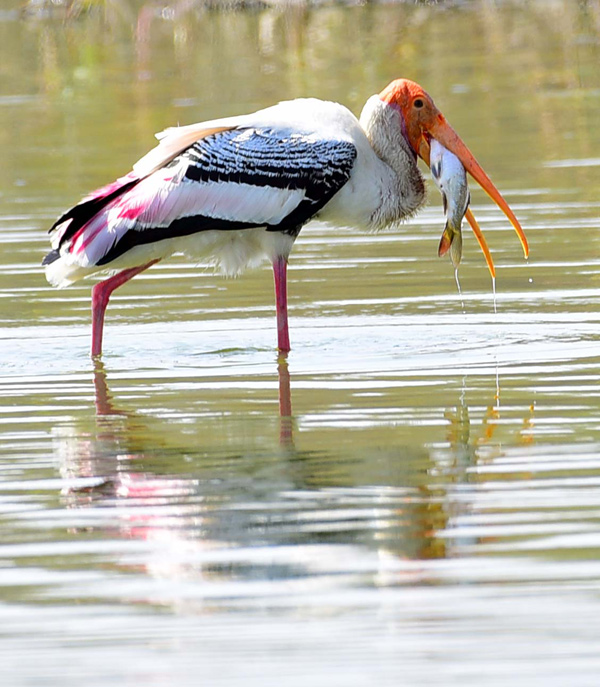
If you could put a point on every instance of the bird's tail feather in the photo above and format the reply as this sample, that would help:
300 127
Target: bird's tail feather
89 207
60 271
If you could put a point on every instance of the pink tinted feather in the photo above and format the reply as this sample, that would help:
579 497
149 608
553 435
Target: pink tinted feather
163 197
94 239
110 188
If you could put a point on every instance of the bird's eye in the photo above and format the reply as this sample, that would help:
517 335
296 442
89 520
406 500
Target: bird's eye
418 103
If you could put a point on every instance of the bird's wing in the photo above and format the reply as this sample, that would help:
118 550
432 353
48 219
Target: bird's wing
174 140
233 179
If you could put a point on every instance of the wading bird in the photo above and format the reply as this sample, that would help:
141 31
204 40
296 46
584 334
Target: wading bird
237 190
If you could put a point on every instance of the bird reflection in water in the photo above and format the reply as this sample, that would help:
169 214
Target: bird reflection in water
397 504
468 450
104 463
105 458
458 466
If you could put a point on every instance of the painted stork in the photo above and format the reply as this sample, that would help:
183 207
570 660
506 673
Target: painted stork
237 190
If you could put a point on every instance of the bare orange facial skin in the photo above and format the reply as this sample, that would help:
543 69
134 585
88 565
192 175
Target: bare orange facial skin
423 121
417 108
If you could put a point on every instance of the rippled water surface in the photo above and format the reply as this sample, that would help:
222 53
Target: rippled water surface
413 496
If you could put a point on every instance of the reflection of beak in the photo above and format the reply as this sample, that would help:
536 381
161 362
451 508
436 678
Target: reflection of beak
445 134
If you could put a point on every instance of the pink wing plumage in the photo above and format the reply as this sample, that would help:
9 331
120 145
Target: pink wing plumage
227 179
163 198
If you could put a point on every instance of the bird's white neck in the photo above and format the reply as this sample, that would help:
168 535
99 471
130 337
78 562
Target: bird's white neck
404 191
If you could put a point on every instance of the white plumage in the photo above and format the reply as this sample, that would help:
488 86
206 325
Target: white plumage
238 190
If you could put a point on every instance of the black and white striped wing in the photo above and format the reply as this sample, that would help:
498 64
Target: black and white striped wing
232 180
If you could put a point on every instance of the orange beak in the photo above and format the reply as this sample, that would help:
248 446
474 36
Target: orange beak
421 121
481 241
445 134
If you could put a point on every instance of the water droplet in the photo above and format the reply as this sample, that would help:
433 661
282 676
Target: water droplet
497 397
459 289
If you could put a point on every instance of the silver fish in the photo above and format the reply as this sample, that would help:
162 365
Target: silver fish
451 178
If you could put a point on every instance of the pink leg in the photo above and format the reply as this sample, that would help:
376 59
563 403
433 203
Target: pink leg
100 295
280 274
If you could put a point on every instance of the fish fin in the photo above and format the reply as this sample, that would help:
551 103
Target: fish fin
456 249
451 241
445 242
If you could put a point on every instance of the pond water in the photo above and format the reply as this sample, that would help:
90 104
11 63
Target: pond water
413 495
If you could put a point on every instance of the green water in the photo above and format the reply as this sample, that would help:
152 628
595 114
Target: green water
428 512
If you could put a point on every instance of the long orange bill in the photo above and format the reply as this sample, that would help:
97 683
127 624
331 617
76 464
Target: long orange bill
446 135
481 241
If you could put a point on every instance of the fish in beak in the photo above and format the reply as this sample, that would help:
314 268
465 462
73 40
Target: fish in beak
450 176
422 122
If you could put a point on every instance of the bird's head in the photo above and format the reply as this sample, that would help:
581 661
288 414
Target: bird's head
421 121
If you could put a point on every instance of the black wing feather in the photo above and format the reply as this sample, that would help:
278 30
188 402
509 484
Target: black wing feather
261 157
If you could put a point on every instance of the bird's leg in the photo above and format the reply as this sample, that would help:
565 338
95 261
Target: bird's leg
280 274
100 295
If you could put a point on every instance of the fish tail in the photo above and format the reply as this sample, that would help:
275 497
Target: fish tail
451 241
456 249
445 241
